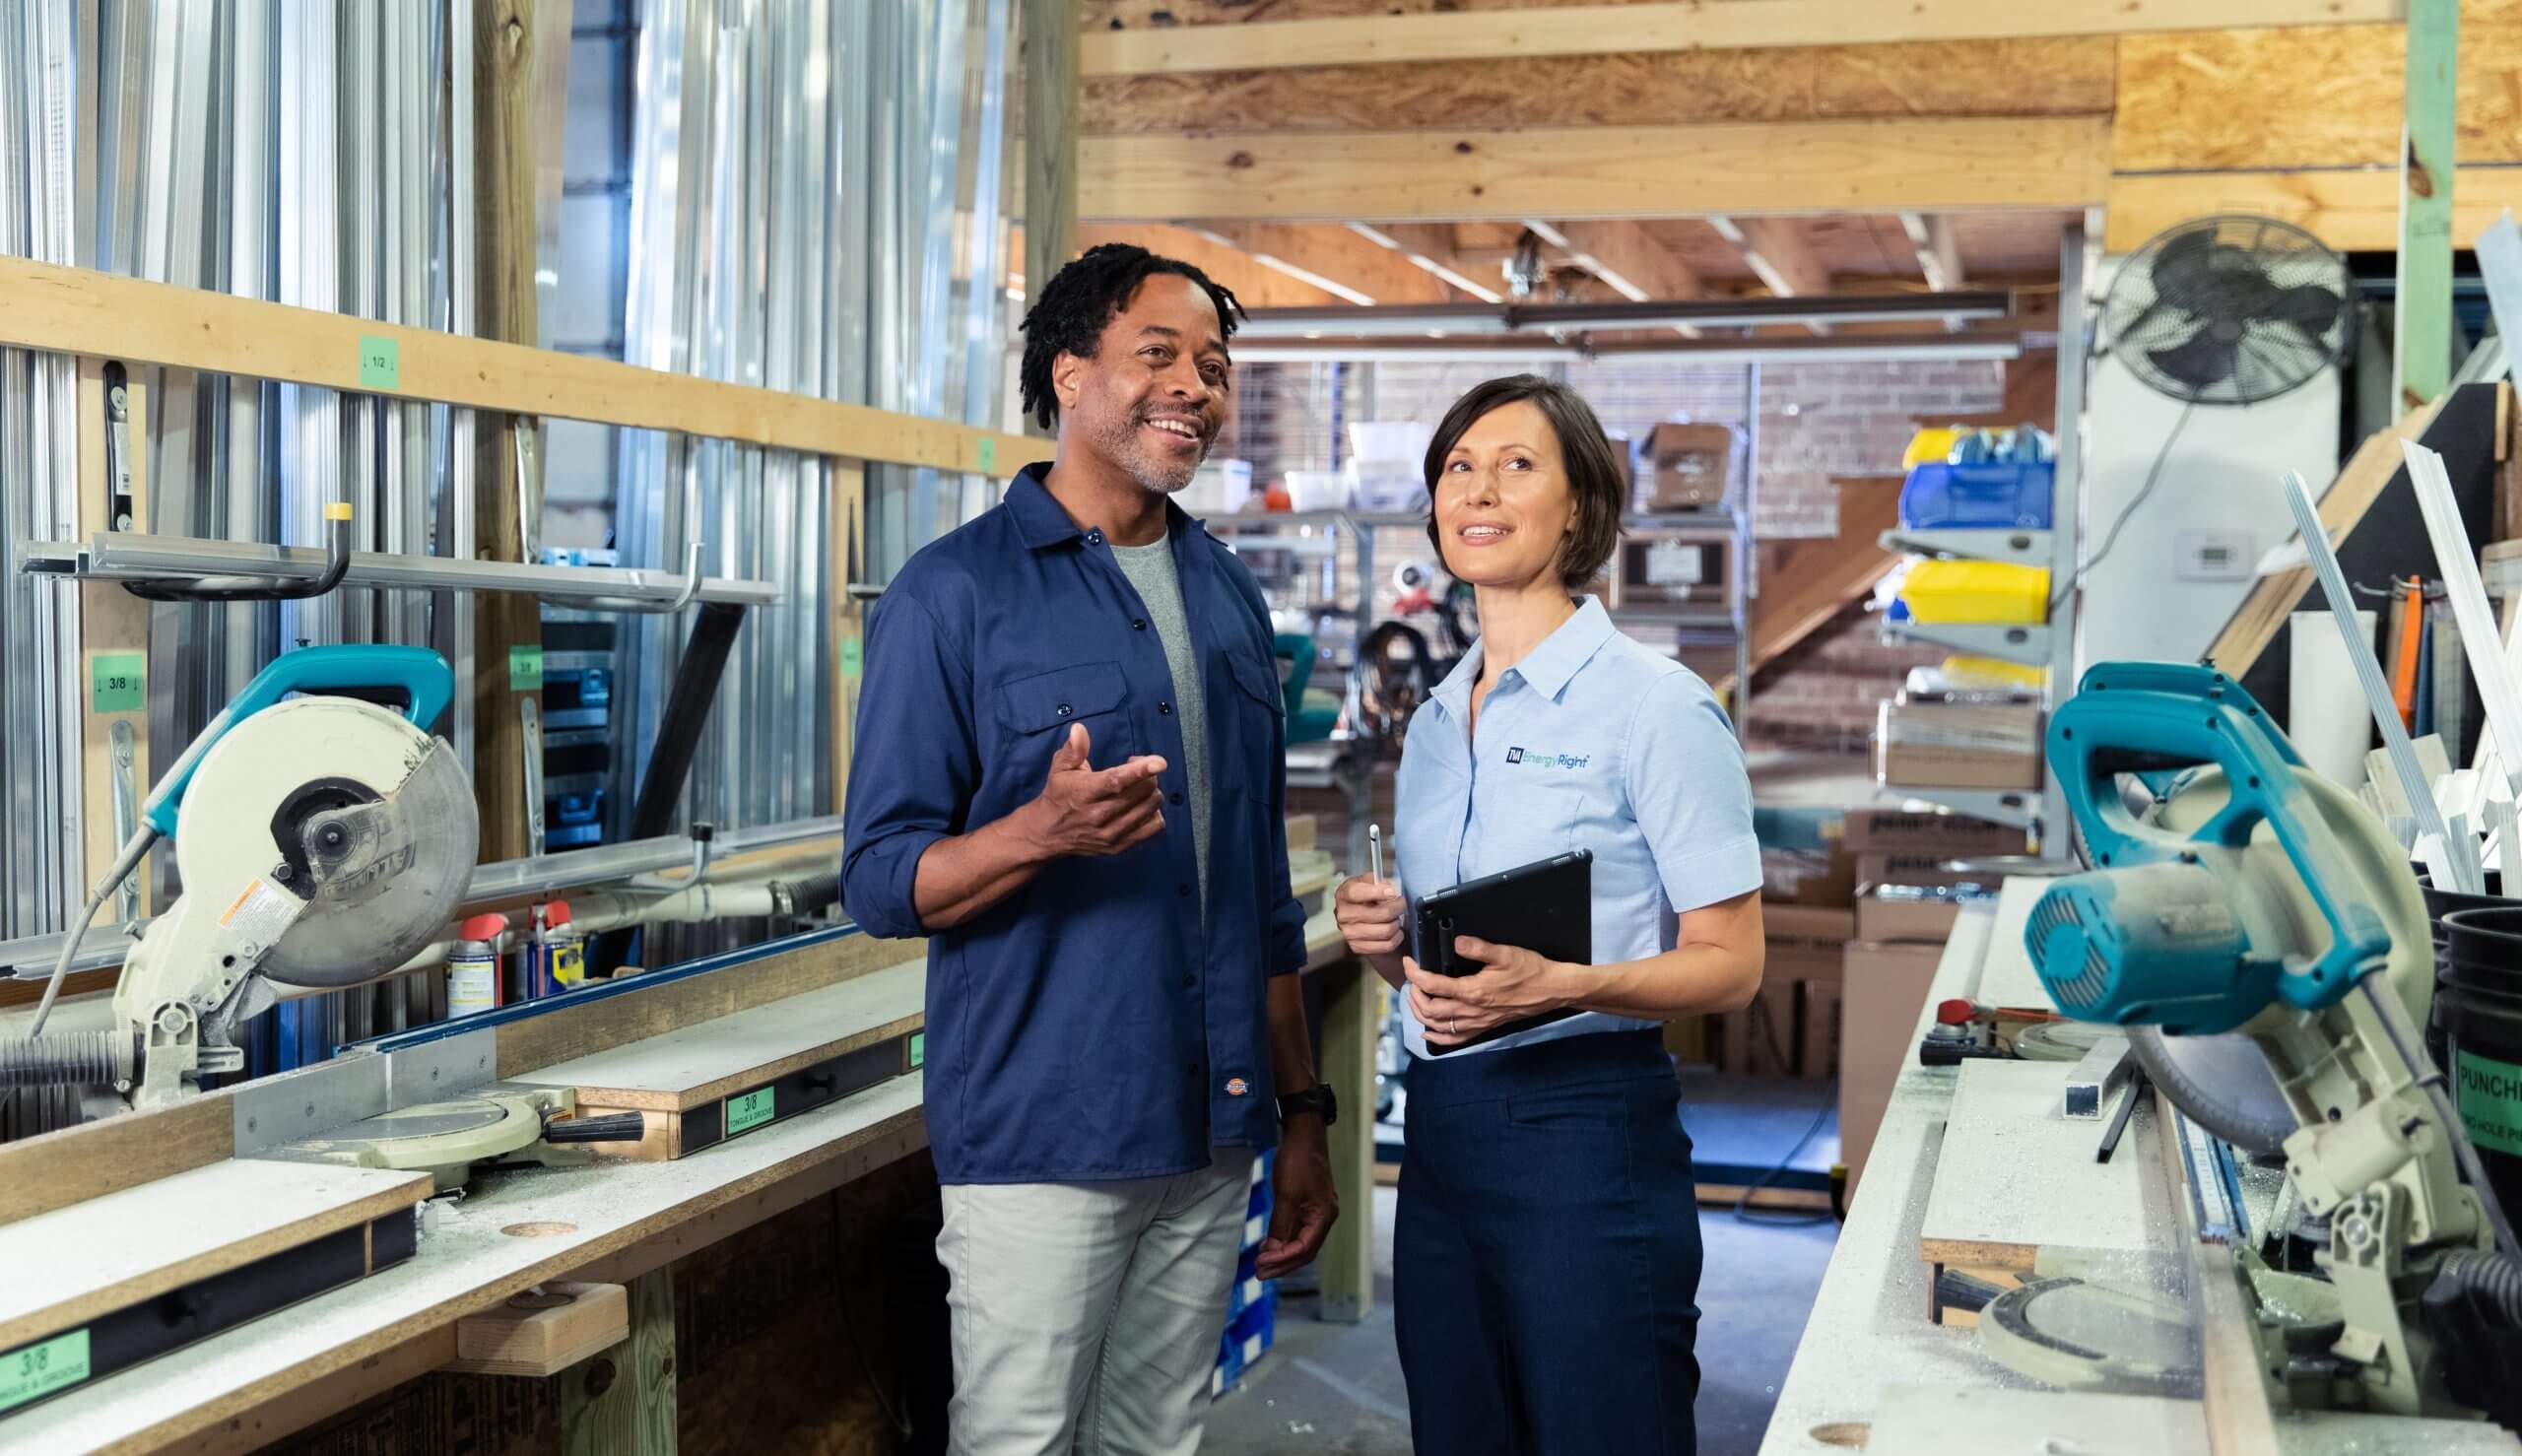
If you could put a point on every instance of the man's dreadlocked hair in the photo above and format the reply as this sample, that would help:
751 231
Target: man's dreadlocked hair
1070 313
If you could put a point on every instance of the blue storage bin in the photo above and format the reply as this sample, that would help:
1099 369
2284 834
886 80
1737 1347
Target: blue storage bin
2003 495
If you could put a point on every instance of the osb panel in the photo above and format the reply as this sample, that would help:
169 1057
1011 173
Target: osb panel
1862 243
2319 95
2040 77
1254 286
2010 243
1707 253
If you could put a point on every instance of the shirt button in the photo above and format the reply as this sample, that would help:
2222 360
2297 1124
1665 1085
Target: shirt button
1137 623
1064 709
1192 1070
1094 535
1185 891
1177 796
1165 708
1189 981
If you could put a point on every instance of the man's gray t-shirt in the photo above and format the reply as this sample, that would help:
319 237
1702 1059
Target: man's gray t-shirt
1159 585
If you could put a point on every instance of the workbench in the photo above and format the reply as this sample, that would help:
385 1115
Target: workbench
617 1220
1871 1362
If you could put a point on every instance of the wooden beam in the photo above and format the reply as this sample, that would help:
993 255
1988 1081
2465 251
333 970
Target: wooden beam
1434 248
1338 260
1254 286
2070 76
113 628
1939 256
1352 1018
1632 260
2421 313
1050 140
1814 582
1932 165
1778 253
2350 211
1685 25
2317 97
77 311
622 1403
504 624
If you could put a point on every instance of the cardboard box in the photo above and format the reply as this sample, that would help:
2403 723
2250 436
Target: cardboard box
1658 570
1808 923
1930 833
1906 918
1957 745
1820 1013
1918 872
1881 999
1789 961
1694 465
1804 876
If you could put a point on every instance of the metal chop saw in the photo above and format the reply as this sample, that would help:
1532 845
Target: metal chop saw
2261 934
324 840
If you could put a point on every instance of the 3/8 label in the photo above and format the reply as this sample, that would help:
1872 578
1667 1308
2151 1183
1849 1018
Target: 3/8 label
751 1110
919 1049
119 682
525 669
2489 1093
35 1371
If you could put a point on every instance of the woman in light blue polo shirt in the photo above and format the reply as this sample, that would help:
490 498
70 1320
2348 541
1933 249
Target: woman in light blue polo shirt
1547 1249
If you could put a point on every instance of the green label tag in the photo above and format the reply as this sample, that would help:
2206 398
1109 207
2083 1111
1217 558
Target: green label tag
919 1049
2490 1096
854 657
119 682
751 1110
989 455
525 669
380 362
33 1372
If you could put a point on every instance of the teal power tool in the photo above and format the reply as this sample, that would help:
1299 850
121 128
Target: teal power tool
2260 934
324 841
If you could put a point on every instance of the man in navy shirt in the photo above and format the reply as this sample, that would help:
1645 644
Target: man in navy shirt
1070 775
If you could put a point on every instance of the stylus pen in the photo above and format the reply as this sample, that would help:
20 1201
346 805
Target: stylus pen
1374 851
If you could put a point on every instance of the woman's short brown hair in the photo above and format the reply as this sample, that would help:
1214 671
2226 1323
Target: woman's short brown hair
1596 474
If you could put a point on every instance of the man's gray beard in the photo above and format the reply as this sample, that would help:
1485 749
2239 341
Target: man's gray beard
1132 454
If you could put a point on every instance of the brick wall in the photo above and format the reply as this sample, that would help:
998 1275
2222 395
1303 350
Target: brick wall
1821 420
1822 697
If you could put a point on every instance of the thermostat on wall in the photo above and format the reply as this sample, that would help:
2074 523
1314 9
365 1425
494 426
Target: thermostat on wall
2212 556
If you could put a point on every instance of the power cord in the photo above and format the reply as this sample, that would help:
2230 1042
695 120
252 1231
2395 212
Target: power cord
1766 1022
2153 477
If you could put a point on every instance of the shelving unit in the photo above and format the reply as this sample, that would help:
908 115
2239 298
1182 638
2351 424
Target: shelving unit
2051 644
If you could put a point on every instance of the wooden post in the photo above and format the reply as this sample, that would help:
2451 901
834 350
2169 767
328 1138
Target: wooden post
2422 344
849 549
1352 1018
622 1403
1050 141
114 632
503 219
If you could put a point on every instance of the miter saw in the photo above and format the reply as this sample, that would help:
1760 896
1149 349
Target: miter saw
322 839
2261 935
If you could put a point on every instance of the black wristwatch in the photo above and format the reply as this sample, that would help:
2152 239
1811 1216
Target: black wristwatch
1315 1099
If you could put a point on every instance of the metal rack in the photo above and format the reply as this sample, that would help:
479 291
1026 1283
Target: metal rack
2052 643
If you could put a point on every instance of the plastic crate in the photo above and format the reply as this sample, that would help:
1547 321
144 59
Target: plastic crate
1998 494
1249 1336
1977 592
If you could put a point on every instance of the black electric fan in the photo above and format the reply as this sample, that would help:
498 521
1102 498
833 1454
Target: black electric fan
2230 310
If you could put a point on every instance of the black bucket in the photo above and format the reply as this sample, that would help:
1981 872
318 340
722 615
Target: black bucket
2442 903
2476 1035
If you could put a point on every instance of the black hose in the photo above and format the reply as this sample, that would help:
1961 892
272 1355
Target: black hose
78 1059
2492 1280
337 565
696 688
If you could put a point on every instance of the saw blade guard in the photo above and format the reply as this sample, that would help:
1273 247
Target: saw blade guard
2146 717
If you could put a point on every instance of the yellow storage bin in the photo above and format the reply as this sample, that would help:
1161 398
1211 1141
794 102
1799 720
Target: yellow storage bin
1935 443
1967 592
1993 672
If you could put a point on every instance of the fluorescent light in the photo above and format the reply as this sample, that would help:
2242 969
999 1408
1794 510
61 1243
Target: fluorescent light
1302 274
1838 350
1569 318
1386 241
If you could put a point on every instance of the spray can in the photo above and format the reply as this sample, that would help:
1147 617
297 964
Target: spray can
473 966
557 956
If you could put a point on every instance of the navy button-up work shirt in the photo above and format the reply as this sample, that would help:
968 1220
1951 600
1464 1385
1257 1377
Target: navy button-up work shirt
1084 1028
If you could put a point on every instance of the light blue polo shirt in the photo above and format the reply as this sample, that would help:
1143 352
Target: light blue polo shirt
1591 742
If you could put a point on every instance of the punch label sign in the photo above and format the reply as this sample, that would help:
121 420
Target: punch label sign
525 669
34 1371
919 1049
751 1110
2490 1096
989 456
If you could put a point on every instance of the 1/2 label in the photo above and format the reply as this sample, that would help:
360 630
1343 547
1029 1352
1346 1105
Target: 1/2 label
34 1371
380 362
989 455
751 1110
919 1049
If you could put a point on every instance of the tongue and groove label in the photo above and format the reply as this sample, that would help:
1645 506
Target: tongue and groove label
33 1372
751 1110
2489 1093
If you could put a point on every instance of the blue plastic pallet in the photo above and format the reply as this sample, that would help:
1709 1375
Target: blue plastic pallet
1249 1336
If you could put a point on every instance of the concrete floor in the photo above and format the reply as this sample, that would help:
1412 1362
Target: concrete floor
1335 1390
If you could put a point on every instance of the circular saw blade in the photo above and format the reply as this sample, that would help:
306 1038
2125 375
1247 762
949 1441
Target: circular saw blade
389 813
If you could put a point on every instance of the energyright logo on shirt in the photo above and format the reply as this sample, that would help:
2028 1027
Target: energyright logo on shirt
1548 760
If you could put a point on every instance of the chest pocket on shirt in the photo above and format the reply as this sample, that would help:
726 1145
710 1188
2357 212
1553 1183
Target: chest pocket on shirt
1034 714
1257 707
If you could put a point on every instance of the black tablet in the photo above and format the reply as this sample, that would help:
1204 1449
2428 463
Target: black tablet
1546 908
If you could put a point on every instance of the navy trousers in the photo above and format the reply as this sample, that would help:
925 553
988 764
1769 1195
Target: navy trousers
1545 1253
